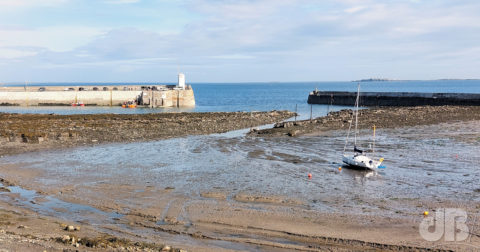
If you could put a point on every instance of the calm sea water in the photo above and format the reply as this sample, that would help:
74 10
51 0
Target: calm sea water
263 96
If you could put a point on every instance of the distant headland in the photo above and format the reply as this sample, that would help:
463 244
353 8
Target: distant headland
372 79
385 79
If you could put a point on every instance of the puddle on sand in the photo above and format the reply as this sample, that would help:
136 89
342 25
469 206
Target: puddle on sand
48 205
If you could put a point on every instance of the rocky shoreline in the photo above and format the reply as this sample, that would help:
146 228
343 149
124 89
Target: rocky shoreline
382 117
30 132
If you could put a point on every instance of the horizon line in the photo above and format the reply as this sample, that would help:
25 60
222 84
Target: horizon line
219 82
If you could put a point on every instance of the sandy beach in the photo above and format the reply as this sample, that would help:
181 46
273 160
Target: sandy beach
233 191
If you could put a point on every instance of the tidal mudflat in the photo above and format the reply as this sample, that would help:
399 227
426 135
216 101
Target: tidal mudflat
238 191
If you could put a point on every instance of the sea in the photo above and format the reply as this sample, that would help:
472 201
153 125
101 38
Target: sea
261 96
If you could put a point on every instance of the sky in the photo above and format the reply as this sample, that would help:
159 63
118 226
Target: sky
237 40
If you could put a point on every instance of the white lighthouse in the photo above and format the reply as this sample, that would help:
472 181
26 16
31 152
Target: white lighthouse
181 81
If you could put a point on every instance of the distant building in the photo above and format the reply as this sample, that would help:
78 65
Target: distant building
181 81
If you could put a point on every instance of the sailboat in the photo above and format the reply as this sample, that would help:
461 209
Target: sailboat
359 158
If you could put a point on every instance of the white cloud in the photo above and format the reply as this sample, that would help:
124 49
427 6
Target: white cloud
102 63
8 53
355 9
233 57
121 1
53 38
29 3
240 10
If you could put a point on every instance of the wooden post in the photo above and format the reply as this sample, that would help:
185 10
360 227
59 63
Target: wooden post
311 111
178 98
330 104
151 99
295 112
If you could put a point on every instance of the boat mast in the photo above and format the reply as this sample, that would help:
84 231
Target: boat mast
356 114
356 120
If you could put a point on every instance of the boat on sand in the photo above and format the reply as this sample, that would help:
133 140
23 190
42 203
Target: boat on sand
359 158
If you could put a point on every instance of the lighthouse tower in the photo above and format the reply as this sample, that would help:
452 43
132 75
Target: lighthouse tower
181 81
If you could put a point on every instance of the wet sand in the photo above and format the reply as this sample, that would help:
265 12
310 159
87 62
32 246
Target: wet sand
231 192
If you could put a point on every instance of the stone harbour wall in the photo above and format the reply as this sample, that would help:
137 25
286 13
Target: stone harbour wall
161 98
393 98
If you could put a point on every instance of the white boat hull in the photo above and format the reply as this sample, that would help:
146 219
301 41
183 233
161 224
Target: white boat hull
361 161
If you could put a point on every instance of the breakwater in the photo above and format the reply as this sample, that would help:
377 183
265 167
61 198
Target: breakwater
393 98
150 96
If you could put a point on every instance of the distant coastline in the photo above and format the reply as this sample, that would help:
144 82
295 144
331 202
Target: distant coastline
372 79
458 79
385 79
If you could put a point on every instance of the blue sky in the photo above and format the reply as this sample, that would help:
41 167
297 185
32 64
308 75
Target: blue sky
237 40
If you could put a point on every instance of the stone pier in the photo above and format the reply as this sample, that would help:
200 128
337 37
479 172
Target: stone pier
151 96
393 98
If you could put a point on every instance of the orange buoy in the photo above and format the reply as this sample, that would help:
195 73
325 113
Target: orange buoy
339 168
309 175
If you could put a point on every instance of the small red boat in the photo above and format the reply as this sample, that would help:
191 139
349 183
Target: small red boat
78 104
129 104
